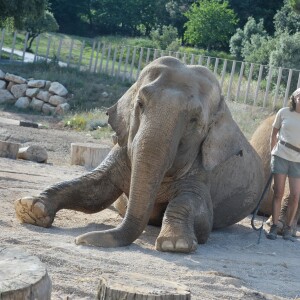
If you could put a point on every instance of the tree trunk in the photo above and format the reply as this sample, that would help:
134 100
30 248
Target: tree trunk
88 155
9 150
139 287
22 276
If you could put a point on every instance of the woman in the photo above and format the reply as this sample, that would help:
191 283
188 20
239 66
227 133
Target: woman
285 162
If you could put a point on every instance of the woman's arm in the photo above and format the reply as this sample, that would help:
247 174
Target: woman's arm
273 138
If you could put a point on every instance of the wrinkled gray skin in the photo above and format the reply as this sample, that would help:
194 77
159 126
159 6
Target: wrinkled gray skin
180 159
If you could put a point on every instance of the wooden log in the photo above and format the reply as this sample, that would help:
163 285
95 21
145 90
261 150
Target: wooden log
22 276
87 154
129 286
9 149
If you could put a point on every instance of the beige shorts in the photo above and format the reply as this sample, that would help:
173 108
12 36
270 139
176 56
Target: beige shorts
280 165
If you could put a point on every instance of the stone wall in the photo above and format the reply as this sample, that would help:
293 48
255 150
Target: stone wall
40 95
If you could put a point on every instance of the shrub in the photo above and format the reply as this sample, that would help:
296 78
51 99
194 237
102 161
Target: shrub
165 37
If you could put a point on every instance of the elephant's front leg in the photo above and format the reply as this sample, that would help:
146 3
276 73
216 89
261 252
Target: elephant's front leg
188 220
90 193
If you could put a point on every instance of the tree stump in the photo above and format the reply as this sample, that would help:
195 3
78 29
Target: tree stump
135 286
9 150
87 154
22 276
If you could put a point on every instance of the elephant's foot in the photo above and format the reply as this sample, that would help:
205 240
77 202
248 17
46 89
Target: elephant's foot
33 211
176 240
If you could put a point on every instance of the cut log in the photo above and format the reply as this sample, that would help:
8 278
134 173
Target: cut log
33 153
88 155
22 276
139 287
9 149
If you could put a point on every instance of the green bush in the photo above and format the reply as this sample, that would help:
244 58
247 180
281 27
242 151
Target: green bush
165 37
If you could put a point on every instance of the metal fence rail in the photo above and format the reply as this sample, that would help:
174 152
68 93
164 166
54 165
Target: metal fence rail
243 82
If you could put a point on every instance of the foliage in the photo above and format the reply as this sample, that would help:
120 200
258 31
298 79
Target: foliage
14 10
258 9
243 38
36 26
287 20
165 37
287 55
295 4
210 24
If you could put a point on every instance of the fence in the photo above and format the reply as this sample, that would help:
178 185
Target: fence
243 82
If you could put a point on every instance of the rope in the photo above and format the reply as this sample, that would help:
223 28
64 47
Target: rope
260 229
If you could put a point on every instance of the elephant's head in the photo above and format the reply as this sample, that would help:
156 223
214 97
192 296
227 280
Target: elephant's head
173 114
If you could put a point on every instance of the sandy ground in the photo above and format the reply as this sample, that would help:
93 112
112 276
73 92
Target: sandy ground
231 265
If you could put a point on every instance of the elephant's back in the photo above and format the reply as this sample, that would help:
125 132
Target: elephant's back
236 186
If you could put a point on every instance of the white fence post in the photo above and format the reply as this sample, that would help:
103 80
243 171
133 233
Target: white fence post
268 86
59 49
248 83
223 73
2 41
48 47
102 57
261 68
288 87
126 62
97 57
37 48
25 46
140 63
277 87
120 61
70 53
107 59
216 66
132 63
92 56
13 46
80 55
148 55
113 63
231 80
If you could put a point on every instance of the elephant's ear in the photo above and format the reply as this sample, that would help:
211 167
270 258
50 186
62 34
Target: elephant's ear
119 116
222 140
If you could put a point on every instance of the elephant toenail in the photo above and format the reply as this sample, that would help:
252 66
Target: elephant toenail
167 245
182 244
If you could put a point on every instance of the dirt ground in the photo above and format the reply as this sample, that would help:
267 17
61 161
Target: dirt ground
231 265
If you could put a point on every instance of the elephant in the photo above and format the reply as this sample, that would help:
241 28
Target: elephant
260 141
180 161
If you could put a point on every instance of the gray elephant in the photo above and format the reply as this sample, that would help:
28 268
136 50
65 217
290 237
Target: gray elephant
180 160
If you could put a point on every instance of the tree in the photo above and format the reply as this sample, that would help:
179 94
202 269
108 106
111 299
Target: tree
15 10
210 24
242 43
258 9
34 27
287 20
295 4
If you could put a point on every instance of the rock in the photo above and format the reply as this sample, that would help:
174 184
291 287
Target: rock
48 109
58 89
43 95
32 92
62 108
37 83
2 84
22 102
33 153
18 90
36 104
47 85
15 78
10 85
104 94
6 96
2 74
8 150
29 124
56 100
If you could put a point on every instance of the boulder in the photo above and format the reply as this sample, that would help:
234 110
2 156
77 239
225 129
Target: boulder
47 85
6 96
36 104
2 84
33 153
18 90
22 102
37 83
48 109
32 92
2 74
58 89
56 100
43 95
62 108
15 78
10 85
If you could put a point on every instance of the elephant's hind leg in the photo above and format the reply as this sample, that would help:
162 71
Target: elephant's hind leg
188 221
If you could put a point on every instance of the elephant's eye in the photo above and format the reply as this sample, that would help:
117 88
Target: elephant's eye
193 120
140 104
